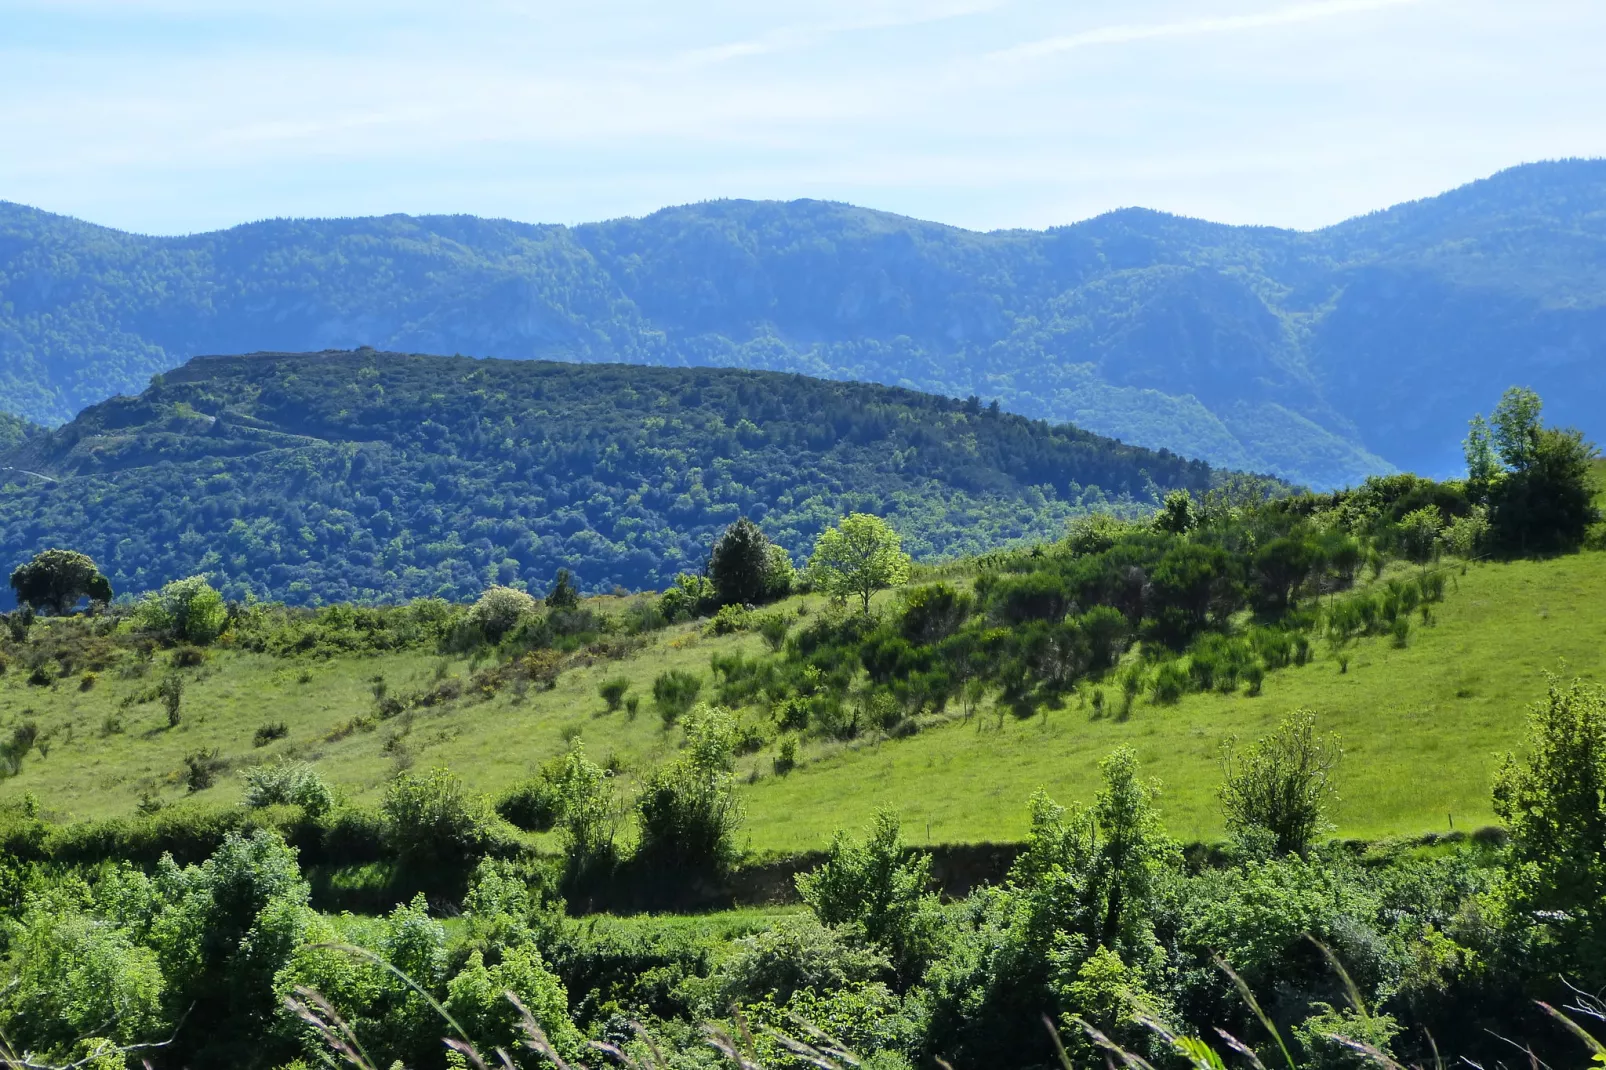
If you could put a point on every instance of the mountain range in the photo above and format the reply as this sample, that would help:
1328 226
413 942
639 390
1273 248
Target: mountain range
1318 356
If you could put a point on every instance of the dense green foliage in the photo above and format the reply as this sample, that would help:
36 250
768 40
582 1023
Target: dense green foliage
379 477
1100 920
1254 348
55 581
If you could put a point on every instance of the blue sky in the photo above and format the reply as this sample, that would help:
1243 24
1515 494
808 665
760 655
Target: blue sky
168 116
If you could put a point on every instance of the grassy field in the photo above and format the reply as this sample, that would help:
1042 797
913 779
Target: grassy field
1423 727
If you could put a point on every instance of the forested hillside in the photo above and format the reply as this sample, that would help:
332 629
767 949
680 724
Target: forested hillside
1319 356
378 476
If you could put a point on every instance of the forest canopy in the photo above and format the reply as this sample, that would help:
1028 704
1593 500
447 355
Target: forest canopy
378 477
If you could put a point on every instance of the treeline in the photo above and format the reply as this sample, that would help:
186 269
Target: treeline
369 477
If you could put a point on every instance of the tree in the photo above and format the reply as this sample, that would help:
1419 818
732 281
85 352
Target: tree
1539 494
687 811
1553 802
1482 464
740 564
188 609
1277 791
564 594
1548 503
1516 426
860 556
1178 515
880 885
55 580
1419 534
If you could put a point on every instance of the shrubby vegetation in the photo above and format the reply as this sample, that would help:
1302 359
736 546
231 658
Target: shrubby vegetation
1101 921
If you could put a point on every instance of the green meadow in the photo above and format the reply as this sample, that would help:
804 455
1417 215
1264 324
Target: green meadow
1423 727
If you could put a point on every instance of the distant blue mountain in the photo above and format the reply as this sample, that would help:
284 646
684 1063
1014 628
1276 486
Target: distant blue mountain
1320 356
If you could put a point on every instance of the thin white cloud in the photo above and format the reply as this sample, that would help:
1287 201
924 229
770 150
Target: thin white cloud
1129 33
804 36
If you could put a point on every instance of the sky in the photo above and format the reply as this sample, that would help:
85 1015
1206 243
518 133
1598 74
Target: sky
174 116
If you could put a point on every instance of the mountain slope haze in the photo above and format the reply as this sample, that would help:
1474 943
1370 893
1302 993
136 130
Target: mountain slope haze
1320 356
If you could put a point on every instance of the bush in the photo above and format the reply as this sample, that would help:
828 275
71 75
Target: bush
796 956
564 594
674 692
613 692
877 884
288 783
188 610
433 824
729 620
786 755
187 656
687 810
1170 683
499 610
1280 787
476 999
269 732
171 690
201 769
773 627
690 596
532 805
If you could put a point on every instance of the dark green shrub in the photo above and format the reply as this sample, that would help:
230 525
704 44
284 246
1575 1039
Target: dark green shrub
1170 683
532 805
269 732
564 594
171 690
613 692
786 755
201 769
739 565
773 628
687 811
933 613
433 824
1254 676
674 692
23 738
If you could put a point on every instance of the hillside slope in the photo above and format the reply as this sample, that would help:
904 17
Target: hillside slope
379 476
1453 701
1319 356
